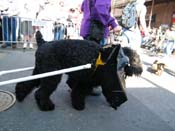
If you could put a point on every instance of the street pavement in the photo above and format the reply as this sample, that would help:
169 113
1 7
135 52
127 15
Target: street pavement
150 105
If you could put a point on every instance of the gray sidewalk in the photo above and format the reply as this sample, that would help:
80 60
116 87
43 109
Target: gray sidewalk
150 105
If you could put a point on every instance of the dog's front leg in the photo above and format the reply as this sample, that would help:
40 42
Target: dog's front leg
78 96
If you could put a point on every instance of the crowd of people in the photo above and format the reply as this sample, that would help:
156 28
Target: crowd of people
20 19
160 40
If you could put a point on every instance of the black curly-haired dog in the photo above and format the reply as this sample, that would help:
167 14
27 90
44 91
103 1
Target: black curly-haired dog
106 61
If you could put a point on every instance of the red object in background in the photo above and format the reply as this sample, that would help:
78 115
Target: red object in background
142 33
173 18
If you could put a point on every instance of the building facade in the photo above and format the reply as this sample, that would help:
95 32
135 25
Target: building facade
159 12
162 13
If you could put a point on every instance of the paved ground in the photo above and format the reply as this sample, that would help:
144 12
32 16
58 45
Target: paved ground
150 106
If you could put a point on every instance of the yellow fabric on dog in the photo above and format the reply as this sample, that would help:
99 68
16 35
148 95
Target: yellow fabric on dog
99 61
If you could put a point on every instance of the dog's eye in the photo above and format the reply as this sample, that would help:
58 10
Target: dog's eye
136 61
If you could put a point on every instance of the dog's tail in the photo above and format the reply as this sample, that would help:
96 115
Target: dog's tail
39 39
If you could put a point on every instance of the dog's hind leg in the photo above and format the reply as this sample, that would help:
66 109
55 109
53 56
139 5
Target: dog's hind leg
42 95
22 89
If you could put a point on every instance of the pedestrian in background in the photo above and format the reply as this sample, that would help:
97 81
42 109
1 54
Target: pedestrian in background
132 36
27 15
100 11
59 29
169 44
2 9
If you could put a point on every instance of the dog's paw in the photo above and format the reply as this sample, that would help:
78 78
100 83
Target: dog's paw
78 106
20 96
20 92
45 105
22 89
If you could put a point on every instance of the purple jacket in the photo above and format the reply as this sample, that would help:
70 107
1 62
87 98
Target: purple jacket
101 11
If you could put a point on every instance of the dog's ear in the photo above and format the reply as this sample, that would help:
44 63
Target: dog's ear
122 59
113 54
105 52
155 62
118 57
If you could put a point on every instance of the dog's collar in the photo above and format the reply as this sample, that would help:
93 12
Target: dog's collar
99 61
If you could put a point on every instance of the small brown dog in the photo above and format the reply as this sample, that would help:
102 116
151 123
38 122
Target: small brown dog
157 67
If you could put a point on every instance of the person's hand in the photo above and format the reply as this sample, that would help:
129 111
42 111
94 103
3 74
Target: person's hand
117 29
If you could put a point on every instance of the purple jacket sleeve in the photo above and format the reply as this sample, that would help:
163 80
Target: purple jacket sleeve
103 9
82 6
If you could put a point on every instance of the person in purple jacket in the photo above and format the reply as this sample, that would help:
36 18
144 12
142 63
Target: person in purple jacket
100 11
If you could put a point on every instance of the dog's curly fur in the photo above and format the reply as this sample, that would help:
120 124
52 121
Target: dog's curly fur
56 55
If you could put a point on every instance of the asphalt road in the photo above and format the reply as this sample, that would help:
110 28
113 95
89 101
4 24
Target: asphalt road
150 105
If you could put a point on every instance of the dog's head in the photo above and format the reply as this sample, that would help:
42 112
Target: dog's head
125 58
158 67
135 64
118 63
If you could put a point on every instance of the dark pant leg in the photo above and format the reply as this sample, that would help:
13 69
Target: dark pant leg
0 29
13 24
5 30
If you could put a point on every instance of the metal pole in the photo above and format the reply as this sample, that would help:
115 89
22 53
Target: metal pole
87 66
151 13
15 70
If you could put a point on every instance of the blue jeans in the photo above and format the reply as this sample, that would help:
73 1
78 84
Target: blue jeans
59 33
168 47
9 29
103 42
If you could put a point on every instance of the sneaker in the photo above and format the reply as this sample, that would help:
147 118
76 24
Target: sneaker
3 46
31 45
95 92
14 46
25 45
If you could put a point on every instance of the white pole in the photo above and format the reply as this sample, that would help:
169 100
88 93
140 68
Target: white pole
15 70
87 66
